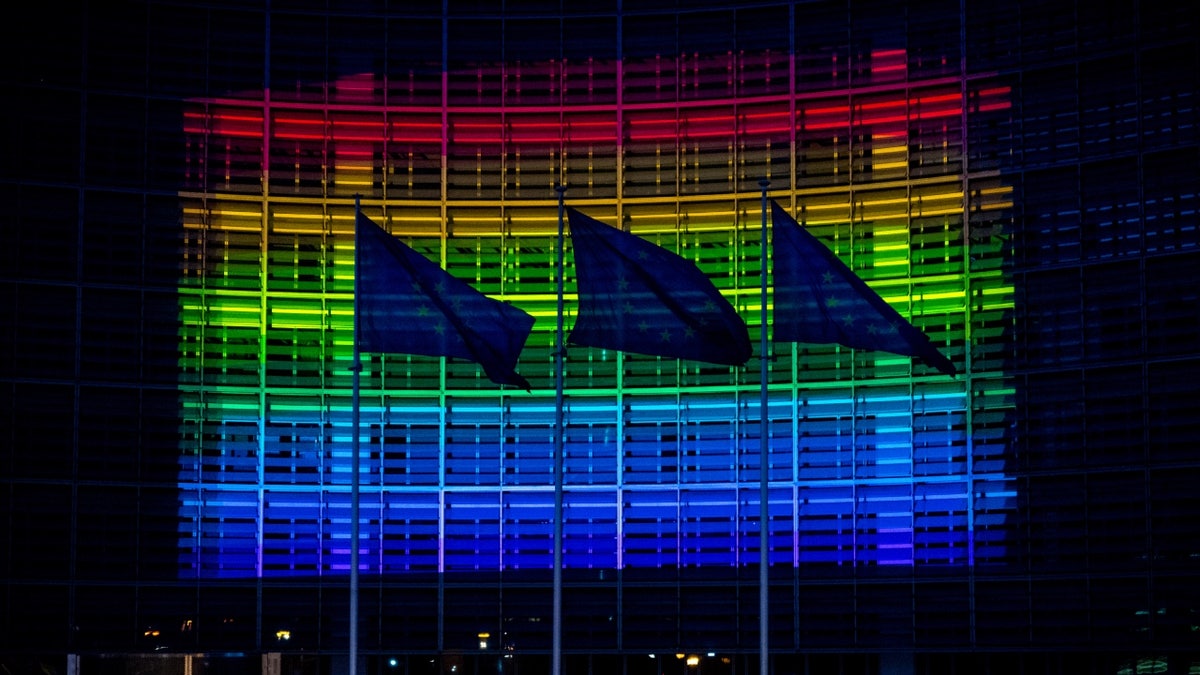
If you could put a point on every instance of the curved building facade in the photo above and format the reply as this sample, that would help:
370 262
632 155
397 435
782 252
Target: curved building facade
1018 183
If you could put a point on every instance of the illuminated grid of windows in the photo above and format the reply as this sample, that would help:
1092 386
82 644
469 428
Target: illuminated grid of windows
872 460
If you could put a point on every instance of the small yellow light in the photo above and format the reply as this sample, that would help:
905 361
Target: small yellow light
283 635
693 660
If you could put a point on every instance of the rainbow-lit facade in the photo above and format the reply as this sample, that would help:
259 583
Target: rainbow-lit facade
874 460
911 513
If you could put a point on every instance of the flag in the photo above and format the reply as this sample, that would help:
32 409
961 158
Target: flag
820 300
409 305
637 297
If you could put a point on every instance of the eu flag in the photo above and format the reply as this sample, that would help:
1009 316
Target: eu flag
409 305
638 297
818 299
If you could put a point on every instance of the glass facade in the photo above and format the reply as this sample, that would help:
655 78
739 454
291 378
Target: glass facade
1021 185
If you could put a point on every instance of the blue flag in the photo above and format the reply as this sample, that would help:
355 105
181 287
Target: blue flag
638 297
819 300
409 305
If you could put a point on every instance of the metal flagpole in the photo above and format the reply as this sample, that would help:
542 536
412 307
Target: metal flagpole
763 454
356 369
559 354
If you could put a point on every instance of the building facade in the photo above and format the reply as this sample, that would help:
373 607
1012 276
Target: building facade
1018 182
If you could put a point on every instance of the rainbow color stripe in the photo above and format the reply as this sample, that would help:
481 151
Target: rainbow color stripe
875 460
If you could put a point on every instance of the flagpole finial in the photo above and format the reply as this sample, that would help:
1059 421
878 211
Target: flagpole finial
560 189
763 183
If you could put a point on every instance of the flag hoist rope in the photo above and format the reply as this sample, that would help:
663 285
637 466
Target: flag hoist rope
763 453
559 357
356 369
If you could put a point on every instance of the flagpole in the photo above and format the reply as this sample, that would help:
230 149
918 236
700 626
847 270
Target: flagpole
763 454
356 369
559 354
